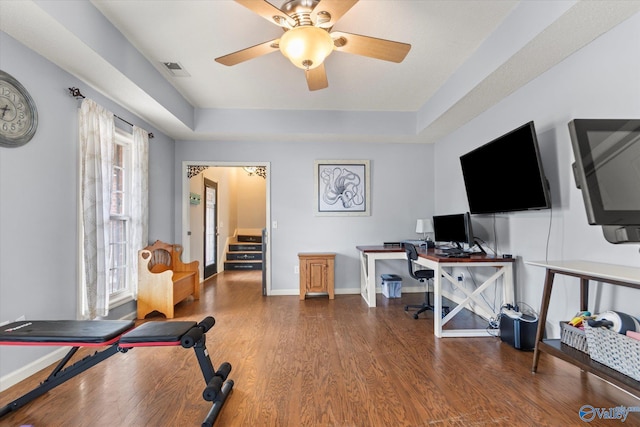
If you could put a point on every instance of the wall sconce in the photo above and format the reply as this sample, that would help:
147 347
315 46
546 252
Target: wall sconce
424 226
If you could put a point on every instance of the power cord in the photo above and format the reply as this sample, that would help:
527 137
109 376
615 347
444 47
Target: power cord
493 328
532 315
478 240
527 311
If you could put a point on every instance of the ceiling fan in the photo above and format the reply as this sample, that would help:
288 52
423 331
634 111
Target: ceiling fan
308 39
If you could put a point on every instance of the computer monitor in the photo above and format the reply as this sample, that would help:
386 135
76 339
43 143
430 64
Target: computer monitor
607 170
455 228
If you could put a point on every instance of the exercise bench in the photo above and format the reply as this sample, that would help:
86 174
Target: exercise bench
119 336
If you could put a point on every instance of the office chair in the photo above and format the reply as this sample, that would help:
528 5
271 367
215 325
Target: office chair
423 276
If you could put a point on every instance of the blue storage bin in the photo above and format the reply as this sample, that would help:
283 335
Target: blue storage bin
391 285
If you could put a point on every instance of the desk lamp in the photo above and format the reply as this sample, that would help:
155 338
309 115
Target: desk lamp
424 226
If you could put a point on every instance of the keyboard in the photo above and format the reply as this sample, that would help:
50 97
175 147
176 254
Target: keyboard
452 251
457 255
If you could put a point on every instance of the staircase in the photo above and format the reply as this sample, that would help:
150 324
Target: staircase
244 254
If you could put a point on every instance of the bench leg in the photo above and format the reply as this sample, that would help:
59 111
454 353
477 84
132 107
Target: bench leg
218 386
59 375
196 287
217 405
168 312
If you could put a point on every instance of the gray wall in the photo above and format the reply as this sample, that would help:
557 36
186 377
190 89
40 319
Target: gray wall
39 200
402 191
600 81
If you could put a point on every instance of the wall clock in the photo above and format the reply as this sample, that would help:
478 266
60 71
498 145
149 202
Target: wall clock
18 113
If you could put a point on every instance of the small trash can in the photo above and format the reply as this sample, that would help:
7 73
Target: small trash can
391 285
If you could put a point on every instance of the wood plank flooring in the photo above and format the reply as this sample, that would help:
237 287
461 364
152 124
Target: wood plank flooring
322 363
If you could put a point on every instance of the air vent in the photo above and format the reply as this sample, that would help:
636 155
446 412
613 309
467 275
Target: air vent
175 69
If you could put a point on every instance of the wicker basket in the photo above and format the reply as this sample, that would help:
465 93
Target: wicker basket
614 350
573 337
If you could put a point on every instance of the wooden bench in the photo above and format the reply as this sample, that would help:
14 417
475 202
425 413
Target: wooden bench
164 280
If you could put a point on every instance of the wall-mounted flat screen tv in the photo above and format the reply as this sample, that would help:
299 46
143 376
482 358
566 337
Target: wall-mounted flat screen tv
607 170
506 174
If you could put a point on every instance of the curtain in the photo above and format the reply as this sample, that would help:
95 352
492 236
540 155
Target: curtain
97 132
139 203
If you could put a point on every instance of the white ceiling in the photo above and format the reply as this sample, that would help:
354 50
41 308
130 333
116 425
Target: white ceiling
465 56
442 34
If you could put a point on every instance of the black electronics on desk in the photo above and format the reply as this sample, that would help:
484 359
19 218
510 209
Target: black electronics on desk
425 244
454 228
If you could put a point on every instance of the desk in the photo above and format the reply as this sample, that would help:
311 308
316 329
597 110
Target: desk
618 275
442 267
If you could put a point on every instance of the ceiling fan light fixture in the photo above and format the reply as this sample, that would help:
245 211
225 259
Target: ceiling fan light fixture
306 46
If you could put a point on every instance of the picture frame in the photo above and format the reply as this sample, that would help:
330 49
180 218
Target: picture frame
342 187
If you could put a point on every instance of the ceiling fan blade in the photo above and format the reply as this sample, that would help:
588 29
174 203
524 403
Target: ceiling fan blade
372 47
249 53
335 10
317 78
269 12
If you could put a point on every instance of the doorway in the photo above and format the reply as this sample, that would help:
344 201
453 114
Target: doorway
210 228
230 178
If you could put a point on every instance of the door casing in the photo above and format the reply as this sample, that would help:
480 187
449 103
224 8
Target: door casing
186 221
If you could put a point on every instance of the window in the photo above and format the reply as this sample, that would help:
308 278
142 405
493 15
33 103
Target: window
120 247
113 210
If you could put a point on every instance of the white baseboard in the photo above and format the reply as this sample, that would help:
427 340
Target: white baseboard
296 291
345 291
13 378
25 372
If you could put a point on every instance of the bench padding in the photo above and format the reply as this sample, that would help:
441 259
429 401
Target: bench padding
64 331
157 332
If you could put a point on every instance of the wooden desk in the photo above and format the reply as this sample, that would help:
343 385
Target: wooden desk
584 270
442 267
368 257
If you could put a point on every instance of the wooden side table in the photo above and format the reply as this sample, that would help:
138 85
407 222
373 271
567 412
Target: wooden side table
618 275
316 273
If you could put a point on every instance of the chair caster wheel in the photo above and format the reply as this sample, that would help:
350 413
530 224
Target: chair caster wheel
406 308
415 316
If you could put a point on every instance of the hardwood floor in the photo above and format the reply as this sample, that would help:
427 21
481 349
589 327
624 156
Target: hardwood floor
322 363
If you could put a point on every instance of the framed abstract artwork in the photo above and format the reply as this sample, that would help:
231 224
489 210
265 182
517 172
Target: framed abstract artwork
342 187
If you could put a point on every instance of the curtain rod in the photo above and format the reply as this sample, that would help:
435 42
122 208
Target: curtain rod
75 92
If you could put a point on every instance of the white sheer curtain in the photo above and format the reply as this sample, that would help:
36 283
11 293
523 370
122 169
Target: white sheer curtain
97 133
140 202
